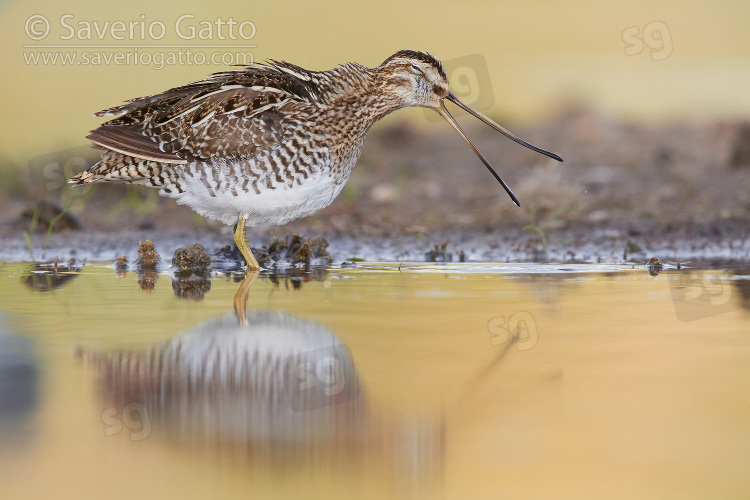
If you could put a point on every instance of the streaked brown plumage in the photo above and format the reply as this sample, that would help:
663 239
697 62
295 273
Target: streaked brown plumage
269 143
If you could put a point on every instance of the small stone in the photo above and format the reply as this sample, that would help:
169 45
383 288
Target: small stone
192 257
121 264
655 266
296 250
654 261
148 259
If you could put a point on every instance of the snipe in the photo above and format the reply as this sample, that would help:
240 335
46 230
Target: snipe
268 143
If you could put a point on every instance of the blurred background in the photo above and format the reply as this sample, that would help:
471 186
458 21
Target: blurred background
640 60
654 66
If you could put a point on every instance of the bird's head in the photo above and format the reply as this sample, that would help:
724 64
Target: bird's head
419 79
416 78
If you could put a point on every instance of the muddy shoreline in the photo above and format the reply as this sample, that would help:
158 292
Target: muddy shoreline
584 245
625 193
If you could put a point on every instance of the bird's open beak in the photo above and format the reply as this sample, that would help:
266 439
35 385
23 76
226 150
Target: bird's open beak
449 118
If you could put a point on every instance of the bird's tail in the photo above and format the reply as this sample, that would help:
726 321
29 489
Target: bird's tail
121 168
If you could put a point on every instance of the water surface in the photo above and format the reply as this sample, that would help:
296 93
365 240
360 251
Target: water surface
461 381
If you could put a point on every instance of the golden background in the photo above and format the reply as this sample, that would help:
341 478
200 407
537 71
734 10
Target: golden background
542 57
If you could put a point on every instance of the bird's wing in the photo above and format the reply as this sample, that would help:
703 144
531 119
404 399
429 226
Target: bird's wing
228 115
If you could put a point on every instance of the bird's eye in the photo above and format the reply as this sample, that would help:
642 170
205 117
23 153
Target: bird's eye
416 68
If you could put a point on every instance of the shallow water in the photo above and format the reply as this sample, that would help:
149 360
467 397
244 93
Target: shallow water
461 381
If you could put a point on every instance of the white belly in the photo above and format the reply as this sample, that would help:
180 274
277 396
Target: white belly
222 198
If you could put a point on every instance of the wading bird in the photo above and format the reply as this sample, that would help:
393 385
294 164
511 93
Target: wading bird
268 143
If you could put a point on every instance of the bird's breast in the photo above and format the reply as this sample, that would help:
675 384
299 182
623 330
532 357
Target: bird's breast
293 177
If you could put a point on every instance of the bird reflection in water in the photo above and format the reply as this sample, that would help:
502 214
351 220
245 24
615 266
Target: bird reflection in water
269 387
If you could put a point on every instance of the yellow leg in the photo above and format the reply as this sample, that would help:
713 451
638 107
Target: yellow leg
240 238
240 298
